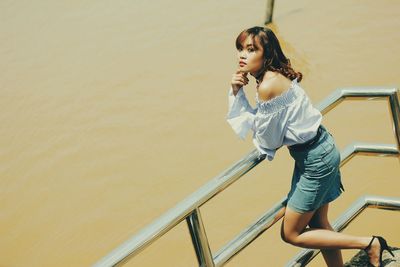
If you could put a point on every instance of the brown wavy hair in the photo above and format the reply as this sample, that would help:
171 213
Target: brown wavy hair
274 59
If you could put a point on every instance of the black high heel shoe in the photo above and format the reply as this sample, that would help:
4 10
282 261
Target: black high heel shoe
384 246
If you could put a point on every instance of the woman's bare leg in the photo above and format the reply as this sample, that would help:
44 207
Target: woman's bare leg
332 257
293 231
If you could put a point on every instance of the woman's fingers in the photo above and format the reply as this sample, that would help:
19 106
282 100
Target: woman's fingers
244 76
244 79
239 79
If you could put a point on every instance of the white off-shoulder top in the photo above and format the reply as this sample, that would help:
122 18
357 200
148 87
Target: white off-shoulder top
286 119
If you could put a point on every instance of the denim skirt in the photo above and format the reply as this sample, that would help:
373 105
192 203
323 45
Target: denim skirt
316 176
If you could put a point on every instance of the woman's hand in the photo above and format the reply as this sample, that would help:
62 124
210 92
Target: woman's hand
239 79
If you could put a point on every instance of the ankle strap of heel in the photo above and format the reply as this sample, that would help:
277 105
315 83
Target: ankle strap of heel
369 245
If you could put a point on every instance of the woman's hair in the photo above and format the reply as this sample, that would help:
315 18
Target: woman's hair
274 59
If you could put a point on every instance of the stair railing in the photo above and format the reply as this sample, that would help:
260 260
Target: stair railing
355 209
189 208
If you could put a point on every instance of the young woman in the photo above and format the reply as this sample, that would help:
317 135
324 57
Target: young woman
284 115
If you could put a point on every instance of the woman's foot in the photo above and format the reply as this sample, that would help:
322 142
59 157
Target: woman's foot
373 251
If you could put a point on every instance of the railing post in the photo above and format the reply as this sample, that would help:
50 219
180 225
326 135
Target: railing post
355 209
199 239
269 12
394 106
189 208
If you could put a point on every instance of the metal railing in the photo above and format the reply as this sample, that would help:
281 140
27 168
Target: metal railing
269 11
368 201
189 208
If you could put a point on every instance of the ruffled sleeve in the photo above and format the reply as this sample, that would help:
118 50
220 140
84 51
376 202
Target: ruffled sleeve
267 121
284 119
270 133
240 113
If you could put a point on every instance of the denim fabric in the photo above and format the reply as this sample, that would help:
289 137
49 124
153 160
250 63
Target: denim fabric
316 176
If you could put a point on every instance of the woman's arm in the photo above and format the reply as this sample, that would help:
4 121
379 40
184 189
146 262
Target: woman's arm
267 129
240 113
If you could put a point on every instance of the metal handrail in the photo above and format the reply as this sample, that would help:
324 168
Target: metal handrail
368 201
182 210
270 217
189 208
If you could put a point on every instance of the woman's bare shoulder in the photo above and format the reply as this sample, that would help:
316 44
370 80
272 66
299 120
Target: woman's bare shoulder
272 87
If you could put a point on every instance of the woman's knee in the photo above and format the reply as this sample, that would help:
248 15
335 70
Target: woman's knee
283 235
291 238
288 236
293 224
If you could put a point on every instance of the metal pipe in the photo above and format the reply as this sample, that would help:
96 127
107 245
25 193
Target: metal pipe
394 107
357 93
172 217
273 215
199 239
250 233
367 149
269 11
183 209
368 201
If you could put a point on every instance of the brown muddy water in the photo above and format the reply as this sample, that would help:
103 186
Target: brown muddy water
113 112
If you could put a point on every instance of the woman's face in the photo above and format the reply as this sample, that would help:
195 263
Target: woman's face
250 57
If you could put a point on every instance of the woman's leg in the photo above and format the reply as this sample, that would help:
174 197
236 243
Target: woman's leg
293 231
332 257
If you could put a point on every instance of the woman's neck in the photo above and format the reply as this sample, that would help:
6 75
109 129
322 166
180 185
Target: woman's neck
259 76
